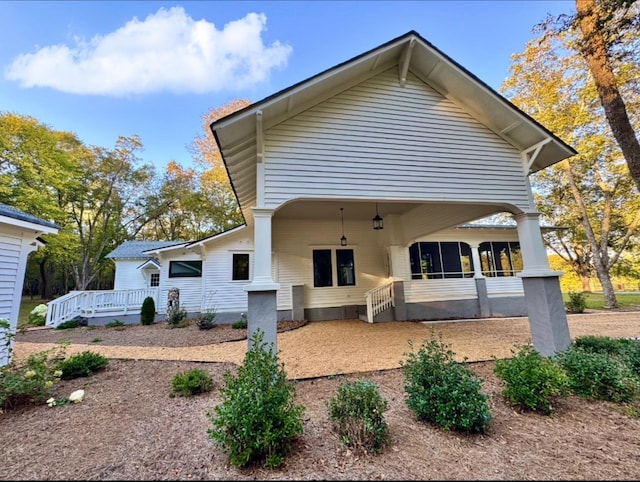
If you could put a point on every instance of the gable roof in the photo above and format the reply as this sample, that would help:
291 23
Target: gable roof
236 132
136 249
16 214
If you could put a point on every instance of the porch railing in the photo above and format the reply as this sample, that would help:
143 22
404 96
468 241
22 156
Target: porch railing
89 304
379 299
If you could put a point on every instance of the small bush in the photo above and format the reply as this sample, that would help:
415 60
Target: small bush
176 317
38 316
207 320
241 323
623 349
531 381
191 382
257 420
148 311
598 376
82 365
443 391
66 325
114 324
31 381
357 412
577 302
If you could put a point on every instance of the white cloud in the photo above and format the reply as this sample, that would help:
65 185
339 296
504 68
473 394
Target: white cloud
167 51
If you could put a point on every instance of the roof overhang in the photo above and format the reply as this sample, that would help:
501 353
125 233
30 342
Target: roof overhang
149 264
38 229
239 144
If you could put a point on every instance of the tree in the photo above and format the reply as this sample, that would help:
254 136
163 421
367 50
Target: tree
591 195
609 34
99 206
215 183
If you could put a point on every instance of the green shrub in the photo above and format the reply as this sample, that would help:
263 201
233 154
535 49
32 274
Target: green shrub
191 382
38 316
176 317
257 420
241 323
443 391
207 320
148 311
577 302
82 365
531 381
598 376
30 381
114 324
357 412
623 349
66 325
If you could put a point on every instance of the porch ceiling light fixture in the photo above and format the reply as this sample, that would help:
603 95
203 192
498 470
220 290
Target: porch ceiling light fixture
377 220
343 240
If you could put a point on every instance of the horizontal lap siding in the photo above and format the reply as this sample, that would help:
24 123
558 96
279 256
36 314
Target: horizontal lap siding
220 290
295 240
381 140
190 288
504 286
10 247
420 291
128 276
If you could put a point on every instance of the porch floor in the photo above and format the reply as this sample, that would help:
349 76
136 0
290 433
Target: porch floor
325 348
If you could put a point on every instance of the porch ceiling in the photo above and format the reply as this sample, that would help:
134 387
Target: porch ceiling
435 216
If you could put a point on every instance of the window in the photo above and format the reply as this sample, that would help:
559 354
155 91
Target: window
323 261
433 260
345 267
500 258
154 280
185 269
240 269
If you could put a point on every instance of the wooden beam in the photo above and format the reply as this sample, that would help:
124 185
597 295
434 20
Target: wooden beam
406 61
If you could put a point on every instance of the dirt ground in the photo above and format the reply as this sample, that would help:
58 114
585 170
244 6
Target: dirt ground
129 428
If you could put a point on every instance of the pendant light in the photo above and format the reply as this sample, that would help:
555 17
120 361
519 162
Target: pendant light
377 220
343 240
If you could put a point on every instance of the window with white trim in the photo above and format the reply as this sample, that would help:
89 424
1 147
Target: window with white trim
240 267
323 262
185 269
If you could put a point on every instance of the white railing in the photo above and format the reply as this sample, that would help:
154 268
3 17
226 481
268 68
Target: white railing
379 299
90 304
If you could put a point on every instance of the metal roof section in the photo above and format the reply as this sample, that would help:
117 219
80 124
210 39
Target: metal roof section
136 249
18 215
239 144
215 237
150 264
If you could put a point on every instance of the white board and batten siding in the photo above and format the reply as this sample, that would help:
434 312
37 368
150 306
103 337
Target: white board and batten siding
379 140
295 240
128 276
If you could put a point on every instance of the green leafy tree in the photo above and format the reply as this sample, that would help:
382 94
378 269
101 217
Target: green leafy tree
592 194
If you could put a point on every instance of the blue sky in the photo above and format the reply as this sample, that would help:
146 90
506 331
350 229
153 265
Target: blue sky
102 69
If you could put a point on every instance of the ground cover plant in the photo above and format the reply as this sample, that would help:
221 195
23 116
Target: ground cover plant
191 382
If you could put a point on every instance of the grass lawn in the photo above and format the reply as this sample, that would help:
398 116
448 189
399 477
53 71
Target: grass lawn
596 300
26 305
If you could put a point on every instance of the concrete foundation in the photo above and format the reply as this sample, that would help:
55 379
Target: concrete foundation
262 315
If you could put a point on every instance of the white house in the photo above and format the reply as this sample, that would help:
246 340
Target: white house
357 187
19 235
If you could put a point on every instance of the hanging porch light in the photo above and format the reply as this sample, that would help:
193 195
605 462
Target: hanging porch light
377 220
343 240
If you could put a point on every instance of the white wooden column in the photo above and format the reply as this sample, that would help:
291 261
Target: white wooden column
484 304
477 263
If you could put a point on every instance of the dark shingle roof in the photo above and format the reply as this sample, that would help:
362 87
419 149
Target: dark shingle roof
135 249
11 212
